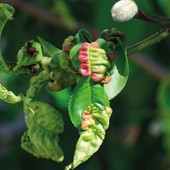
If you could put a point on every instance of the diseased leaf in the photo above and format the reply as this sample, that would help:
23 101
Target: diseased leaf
44 124
119 72
8 96
88 143
47 117
6 13
30 54
85 93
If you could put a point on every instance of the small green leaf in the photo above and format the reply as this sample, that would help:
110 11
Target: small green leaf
48 48
6 13
119 72
73 55
8 96
30 54
103 44
83 36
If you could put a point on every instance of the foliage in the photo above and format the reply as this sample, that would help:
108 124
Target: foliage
56 78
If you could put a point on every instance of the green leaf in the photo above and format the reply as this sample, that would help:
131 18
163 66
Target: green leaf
49 49
52 121
83 36
103 44
73 55
44 123
119 71
30 54
85 94
88 143
8 96
6 13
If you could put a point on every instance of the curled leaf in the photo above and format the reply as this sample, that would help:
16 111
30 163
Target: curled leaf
91 117
44 124
42 143
30 54
6 13
47 117
88 143
89 93
60 72
91 60
8 96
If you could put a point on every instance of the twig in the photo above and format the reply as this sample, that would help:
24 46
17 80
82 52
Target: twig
155 38
153 18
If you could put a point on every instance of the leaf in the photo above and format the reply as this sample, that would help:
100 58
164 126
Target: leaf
88 143
44 124
52 121
83 36
85 93
120 72
6 13
8 96
29 54
103 44
74 54
48 48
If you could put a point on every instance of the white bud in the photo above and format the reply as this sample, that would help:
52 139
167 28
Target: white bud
124 10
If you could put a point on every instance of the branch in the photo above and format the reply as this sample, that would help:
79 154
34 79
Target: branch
153 18
147 64
155 38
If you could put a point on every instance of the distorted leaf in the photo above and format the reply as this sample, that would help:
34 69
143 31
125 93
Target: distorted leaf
6 13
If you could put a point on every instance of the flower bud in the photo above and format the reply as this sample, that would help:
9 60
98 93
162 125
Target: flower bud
124 10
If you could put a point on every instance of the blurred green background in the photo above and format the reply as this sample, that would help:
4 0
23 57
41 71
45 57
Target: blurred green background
135 139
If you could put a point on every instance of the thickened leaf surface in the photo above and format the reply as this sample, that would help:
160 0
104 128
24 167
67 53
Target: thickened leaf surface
85 94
